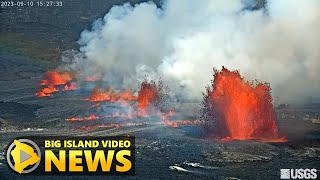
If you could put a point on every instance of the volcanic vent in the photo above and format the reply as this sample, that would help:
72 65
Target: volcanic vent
232 107
236 109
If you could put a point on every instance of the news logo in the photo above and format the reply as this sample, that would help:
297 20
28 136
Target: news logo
72 155
298 173
23 156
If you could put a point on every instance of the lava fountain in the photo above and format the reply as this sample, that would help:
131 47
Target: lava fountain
147 95
239 109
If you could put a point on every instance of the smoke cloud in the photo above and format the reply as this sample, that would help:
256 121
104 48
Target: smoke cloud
182 41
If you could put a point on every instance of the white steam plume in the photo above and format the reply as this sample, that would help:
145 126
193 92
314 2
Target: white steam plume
183 40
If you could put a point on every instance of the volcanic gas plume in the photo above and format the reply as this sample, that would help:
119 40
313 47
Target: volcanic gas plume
239 109
181 41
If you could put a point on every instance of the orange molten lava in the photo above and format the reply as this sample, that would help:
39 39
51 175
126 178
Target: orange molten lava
42 94
55 78
147 95
72 86
91 117
166 120
246 109
51 80
98 95
47 91
109 95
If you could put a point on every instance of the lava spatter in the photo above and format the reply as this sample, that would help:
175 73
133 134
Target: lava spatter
240 109
148 95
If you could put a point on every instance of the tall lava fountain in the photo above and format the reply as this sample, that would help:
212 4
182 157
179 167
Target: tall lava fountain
239 109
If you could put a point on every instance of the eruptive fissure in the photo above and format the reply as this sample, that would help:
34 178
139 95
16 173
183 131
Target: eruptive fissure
145 103
111 96
238 109
52 80
232 107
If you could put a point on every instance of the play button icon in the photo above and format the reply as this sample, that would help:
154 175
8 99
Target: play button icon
24 156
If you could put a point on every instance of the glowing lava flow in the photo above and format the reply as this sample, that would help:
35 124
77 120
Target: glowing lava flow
70 87
46 91
166 120
246 109
52 79
108 95
94 117
148 96
163 116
